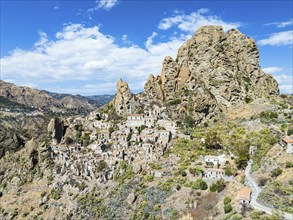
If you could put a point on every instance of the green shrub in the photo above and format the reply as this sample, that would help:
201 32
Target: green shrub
289 164
228 171
199 184
188 121
214 187
142 127
149 178
218 186
166 186
228 208
290 131
124 173
227 200
276 172
155 166
56 194
248 100
175 102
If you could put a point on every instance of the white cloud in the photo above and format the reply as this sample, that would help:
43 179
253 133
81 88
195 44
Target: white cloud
191 22
285 83
278 39
94 60
282 24
84 54
56 7
286 89
124 37
104 4
272 69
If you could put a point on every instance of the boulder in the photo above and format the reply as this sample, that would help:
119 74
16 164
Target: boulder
131 198
136 168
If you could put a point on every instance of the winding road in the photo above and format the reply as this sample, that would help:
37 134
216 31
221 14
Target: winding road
255 193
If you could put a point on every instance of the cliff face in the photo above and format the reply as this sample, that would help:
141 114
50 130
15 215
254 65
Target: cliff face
213 71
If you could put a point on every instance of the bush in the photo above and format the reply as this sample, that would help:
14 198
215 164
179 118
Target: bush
199 184
182 172
227 200
228 171
289 164
277 172
195 171
166 186
262 181
218 186
101 166
142 127
290 131
175 102
149 178
248 100
214 187
241 162
56 194
228 208
189 121
155 166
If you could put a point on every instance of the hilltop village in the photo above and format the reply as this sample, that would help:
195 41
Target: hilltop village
208 138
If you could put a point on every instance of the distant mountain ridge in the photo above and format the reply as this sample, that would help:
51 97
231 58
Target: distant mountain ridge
50 101
97 100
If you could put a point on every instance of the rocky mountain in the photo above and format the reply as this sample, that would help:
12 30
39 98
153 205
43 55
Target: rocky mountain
49 101
213 71
28 96
155 165
96 100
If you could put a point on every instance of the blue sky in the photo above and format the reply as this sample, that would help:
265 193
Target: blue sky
84 47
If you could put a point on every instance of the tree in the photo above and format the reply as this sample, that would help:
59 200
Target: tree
213 140
241 162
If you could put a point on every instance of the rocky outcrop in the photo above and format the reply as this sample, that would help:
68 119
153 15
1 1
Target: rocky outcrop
55 130
213 71
70 135
124 101
169 77
31 148
153 88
